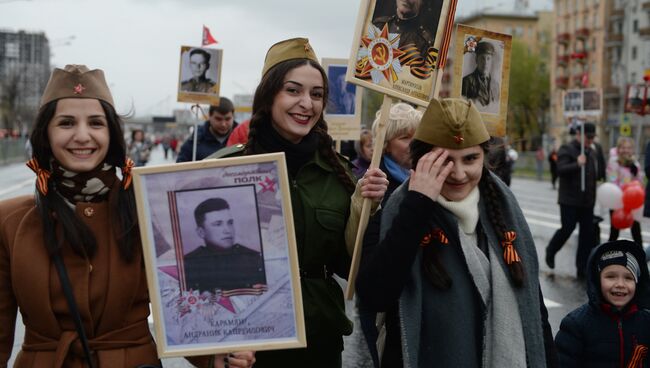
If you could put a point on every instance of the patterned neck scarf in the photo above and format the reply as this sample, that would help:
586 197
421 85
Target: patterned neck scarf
91 186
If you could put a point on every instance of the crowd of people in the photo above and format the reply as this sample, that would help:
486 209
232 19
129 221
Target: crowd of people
449 267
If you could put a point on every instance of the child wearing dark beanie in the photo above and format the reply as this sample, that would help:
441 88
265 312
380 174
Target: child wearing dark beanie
613 328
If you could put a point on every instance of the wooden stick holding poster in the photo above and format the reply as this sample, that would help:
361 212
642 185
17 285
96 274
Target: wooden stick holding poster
402 61
377 150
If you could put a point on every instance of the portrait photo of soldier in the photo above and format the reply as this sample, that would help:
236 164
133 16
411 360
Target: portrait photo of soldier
199 71
416 21
573 102
342 95
635 98
482 75
591 101
221 263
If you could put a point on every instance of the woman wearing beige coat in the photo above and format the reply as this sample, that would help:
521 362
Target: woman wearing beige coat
83 213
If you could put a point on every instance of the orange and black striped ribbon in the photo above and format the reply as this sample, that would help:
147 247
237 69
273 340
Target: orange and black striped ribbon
638 356
421 67
440 236
509 253
127 177
444 48
42 175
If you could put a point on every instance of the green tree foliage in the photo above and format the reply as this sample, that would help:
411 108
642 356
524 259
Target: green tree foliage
528 98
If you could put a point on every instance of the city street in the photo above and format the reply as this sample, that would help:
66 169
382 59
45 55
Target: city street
538 200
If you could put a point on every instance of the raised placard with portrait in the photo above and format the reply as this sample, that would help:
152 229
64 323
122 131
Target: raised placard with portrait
199 75
482 74
343 111
220 255
400 45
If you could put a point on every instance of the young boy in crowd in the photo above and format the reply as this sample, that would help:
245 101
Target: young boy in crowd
613 328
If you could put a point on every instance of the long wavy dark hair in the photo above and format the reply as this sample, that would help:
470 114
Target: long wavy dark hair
432 264
265 93
53 207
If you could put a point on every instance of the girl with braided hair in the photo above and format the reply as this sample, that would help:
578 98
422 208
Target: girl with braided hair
70 255
288 117
455 268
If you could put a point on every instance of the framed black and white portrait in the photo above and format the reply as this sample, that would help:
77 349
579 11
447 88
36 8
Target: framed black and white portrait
482 73
220 255
199 76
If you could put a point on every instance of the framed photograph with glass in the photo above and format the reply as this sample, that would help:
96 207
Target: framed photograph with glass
482 74
343 111
220 255
399 47
199 75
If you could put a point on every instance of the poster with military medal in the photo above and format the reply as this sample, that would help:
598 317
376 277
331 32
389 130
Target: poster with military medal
482 74
400 45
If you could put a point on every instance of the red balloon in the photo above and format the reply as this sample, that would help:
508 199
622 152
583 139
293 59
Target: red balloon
622 219
634 183
633 197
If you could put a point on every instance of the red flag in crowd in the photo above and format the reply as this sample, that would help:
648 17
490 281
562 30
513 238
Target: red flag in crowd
207 38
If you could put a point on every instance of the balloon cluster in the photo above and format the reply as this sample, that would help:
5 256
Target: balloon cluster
626 201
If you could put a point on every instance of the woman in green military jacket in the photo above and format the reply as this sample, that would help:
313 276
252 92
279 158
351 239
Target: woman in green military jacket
288 117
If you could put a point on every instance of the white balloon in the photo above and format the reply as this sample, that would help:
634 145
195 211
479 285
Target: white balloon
610 196
637 213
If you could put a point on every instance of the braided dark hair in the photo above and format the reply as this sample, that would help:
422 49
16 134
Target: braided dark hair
432 264
271 84
53 208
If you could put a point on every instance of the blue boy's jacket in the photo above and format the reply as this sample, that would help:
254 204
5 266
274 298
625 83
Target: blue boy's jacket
595 334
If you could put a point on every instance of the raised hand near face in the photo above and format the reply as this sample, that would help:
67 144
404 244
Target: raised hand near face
430 173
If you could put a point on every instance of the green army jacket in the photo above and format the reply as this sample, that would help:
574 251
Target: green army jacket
321 207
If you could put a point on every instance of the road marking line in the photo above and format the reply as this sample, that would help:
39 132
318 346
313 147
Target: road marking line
17 186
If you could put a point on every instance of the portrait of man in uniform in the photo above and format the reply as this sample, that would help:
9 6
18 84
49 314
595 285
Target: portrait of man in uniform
482 84
221 263
416 21
198 65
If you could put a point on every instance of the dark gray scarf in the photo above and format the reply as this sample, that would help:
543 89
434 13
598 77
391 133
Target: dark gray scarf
422 337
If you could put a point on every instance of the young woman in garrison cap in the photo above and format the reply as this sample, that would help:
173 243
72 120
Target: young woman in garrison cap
288 117
85 216
455 268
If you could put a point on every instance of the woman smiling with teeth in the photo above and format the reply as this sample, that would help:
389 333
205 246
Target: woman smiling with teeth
288 117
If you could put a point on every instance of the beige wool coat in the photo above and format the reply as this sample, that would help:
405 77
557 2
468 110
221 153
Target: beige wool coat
111 295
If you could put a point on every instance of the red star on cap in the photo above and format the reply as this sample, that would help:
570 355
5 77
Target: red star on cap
78 89
459 139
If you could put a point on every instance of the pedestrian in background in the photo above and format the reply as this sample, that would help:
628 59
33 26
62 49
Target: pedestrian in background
79 232
539 162
213 134
455 268
623 168
613 328
287 117
364 148
552 164
139 148
576 205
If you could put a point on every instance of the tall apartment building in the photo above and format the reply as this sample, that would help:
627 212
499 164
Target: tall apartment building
578 55
24 71
628 56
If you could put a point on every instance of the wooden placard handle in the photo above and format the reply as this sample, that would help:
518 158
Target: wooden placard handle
378 148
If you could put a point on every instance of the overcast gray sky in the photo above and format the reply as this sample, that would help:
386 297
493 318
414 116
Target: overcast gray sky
136 42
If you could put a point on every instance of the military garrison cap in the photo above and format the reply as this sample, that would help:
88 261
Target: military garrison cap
76 81
485 48
452 123
294 48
